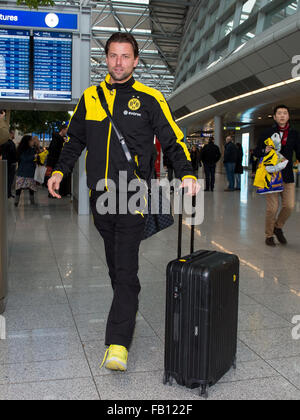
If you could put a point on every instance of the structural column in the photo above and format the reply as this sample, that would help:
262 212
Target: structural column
81 81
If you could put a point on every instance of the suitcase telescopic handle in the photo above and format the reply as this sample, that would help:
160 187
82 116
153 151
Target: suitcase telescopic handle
180 228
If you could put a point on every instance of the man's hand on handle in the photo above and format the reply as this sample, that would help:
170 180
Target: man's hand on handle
53 184
192 186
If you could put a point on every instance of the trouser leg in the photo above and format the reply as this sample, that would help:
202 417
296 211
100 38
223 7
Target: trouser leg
272 201
122 236
18 195
207 176
231 175
10 178
121 320
288 204
31 196
238 181
212 176
227 173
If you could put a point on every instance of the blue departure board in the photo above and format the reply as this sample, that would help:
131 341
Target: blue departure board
52 78
14 64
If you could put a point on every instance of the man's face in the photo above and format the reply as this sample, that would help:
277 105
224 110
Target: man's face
228 139
120 61
12 135
282 116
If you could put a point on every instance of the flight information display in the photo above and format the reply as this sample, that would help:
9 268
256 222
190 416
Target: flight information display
52 67
14 64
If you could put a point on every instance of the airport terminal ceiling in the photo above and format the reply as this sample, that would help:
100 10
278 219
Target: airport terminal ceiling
162 30
158 26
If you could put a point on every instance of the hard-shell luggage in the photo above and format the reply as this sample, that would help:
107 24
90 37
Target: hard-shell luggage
201 317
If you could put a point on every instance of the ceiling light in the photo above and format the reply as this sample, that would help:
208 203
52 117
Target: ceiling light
236 98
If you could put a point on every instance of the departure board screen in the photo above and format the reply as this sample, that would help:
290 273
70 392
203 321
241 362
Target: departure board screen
14 64
52 75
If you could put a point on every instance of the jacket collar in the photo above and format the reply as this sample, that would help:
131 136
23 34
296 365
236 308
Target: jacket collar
118 86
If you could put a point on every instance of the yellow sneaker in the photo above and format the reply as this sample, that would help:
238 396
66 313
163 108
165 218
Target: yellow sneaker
115 358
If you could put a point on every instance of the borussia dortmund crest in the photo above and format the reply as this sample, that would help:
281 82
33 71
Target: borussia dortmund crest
134 104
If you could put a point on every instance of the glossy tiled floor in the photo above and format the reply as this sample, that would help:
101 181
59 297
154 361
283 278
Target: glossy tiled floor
60 294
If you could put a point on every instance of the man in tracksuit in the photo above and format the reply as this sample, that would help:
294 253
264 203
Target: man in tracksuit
140 113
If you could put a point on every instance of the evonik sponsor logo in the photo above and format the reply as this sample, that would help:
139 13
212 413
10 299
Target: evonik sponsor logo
133 114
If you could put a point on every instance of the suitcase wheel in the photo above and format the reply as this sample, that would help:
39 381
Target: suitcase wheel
203 392
165 378
234 364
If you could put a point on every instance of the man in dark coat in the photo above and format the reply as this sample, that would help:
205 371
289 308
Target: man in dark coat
210 155
9 153
290 142
55 148
230 158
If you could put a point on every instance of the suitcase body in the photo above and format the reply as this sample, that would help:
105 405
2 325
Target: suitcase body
201 318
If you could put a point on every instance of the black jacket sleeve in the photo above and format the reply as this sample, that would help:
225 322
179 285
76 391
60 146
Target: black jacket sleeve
76 140
171 138
297 146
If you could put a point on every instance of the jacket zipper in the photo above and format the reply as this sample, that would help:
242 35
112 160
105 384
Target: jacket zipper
113 93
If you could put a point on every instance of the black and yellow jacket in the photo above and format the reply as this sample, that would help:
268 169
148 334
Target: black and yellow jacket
140 113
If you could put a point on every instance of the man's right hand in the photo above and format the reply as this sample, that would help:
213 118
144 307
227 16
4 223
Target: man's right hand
53 184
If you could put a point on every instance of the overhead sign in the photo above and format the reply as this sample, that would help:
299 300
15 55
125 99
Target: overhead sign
14 64
38 19
52 66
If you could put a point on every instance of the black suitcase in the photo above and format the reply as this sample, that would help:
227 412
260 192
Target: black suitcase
201 317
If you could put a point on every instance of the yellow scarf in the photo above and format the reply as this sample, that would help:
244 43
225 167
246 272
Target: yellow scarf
262 177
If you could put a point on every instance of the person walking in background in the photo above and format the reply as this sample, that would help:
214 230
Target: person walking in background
55 148
9 153
254 163
26 156
290 144
195 158
37 144
239 170
230 159
210 155
4 126
56 145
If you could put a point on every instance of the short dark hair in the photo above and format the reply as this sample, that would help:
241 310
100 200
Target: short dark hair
279 107
123 37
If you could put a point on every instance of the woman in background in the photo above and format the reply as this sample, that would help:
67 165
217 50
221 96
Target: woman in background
26 155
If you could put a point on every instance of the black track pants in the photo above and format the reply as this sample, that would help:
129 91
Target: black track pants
122 236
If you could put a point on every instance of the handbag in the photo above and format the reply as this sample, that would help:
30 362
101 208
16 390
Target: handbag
39 174
158 220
